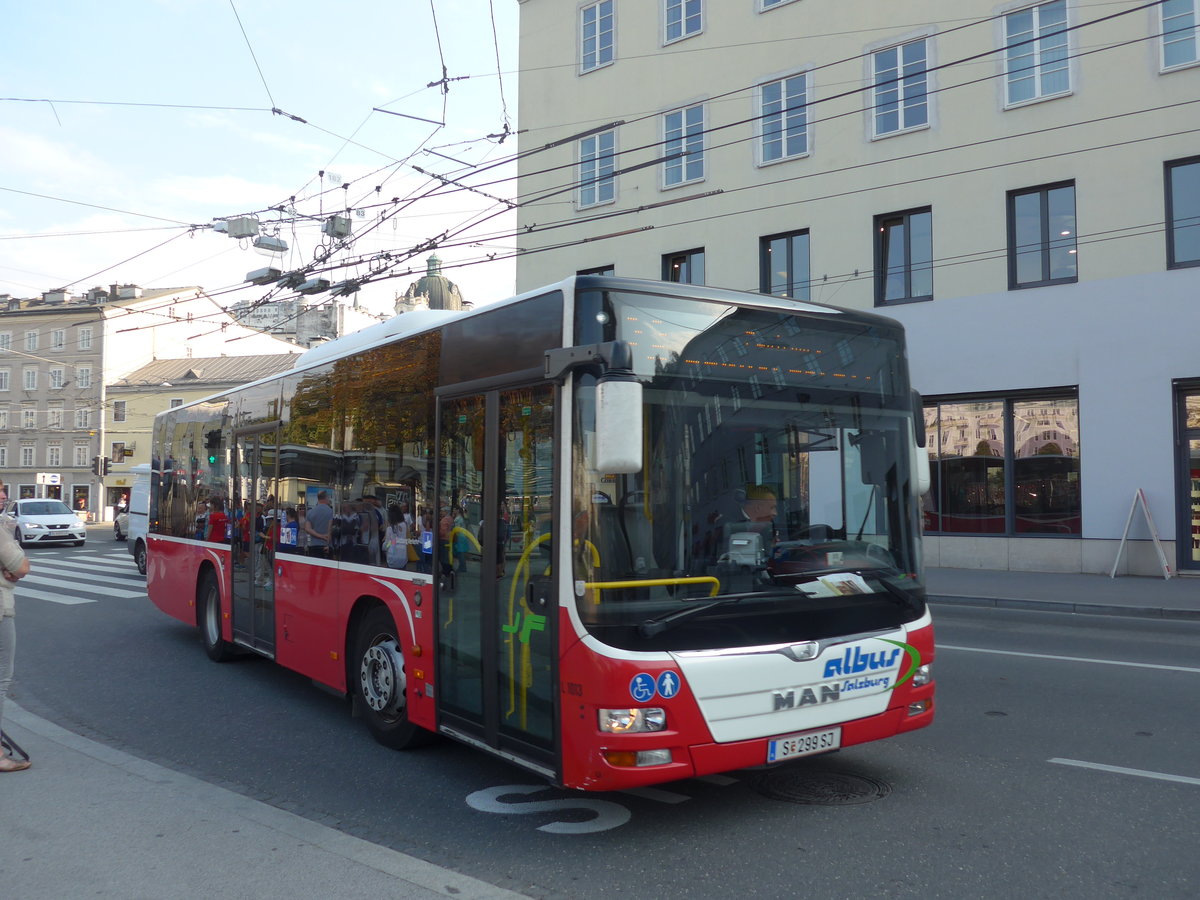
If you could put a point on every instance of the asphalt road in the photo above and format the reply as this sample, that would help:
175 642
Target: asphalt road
1064 762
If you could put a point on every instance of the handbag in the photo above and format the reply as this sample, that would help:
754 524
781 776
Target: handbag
392 549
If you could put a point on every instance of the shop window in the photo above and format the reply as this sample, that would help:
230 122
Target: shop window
1004 466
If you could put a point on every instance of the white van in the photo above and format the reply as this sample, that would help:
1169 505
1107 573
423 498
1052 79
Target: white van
139 515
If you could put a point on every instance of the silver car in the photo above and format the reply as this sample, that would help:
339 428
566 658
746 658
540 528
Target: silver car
45 522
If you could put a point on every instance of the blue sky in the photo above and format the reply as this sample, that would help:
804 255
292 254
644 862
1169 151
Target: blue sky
178 130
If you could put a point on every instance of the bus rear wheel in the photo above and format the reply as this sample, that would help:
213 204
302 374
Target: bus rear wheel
209 601
380 683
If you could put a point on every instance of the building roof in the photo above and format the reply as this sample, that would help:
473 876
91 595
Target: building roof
182 373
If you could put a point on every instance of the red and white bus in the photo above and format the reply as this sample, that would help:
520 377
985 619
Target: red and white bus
657 530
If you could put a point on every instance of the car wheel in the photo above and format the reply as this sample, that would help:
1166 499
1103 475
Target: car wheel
379 683
117 533
139 556
209 601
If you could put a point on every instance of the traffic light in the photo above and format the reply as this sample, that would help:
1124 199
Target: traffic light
96 465
105 464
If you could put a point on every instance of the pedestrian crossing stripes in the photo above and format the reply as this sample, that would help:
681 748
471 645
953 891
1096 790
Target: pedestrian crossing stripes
82 578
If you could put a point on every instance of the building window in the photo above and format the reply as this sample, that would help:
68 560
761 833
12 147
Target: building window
1004 466
599 270
597 162
901 86
783 265
3 457
58 339
684 268
54 417
85 338
26 456
30 379
771 4
1183 213
1041 236
596 36
176 401
783 117
5 375
3 420
904 257
1036 52
56 379
31 341
683 131
118 410
83 377
83 418
5 340
81 455
29 418
54 456
1179 32
683 19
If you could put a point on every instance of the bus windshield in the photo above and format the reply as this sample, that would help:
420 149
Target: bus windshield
776 501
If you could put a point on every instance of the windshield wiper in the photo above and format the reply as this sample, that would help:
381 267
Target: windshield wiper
906 598
659 624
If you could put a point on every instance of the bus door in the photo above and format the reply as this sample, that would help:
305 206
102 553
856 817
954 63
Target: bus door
497 615
253 532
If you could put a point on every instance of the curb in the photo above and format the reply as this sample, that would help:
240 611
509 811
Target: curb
1064 606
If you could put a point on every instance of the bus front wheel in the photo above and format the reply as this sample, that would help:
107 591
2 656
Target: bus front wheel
380 681
209 601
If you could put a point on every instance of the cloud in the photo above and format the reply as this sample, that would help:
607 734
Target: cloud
36 162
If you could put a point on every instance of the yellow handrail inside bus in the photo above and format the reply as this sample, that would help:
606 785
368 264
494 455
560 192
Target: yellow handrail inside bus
450 560
520 573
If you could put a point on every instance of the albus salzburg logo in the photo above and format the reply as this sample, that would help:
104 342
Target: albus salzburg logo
856 671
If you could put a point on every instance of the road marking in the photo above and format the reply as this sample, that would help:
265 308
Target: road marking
1083 659
606 815
90 564
103 590
24 593
1121 770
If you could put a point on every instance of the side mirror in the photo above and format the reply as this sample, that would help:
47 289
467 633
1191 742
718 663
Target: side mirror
618 426
920 451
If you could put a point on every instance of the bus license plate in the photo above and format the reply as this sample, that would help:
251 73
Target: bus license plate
804 744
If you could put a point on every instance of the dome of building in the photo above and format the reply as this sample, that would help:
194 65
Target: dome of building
433 290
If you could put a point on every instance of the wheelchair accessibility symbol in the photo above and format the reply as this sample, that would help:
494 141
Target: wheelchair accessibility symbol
643 686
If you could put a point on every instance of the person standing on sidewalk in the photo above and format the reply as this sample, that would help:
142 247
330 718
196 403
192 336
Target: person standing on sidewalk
14 566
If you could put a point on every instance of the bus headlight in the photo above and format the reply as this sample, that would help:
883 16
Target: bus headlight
630 721
923 675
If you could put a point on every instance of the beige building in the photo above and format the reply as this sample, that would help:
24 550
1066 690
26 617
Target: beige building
1018 183
58 356
164 384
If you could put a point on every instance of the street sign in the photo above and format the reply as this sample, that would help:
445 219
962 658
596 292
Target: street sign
49 478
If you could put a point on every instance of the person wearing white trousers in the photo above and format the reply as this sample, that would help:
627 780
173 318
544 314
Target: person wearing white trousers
14 567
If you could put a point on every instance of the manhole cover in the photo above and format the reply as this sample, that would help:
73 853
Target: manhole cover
818 788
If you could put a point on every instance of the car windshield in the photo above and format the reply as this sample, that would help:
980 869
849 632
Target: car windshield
45 508
775 502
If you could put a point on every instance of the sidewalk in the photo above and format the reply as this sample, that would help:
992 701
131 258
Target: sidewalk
1128 595
87 820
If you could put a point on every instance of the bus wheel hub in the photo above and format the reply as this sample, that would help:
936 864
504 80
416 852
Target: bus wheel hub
382 677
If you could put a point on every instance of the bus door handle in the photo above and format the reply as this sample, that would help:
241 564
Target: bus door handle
539 595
